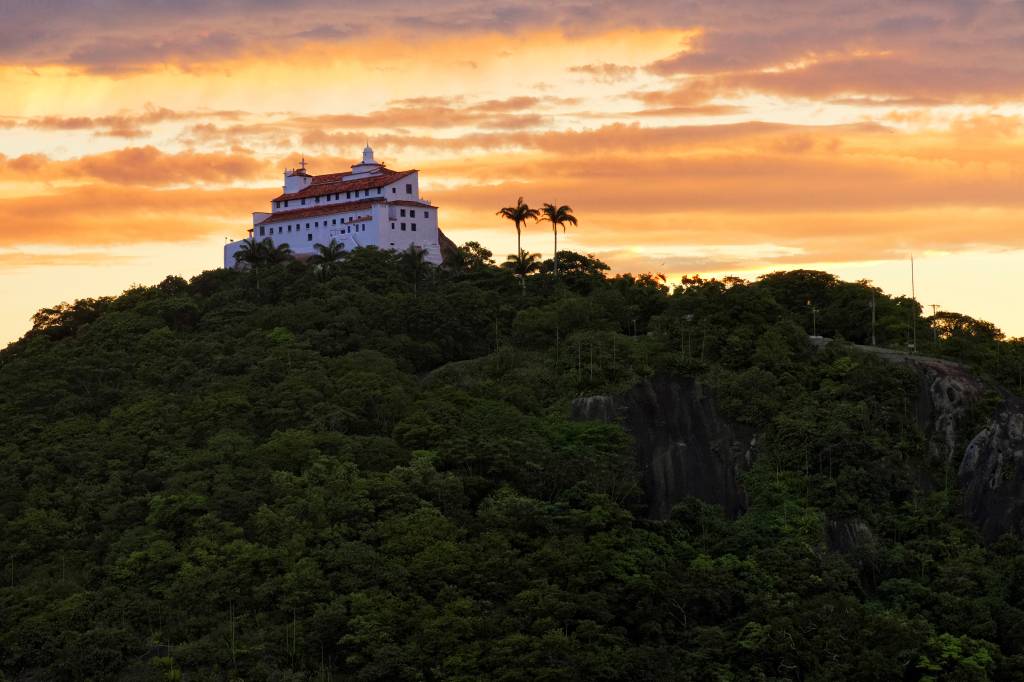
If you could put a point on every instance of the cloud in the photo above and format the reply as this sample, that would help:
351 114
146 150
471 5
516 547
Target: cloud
126 125
605 72
138 166
947 50
15 260
848 192
117 54
891 76
326 32
103 215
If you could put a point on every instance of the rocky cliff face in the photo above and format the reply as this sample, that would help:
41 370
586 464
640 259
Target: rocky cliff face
947 394
683 445
686 448
992 473
989 462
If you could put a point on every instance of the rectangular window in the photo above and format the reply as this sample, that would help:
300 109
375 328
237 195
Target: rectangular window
303 202
408 188
316 224
401 212
286 204
334 221
403 227
379 190
309 237
394 190
262 230
316 200
426 215
307 226
289 228
392 226
414 227
348 195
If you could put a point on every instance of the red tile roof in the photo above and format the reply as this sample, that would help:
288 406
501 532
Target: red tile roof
407 202
333 183
298 214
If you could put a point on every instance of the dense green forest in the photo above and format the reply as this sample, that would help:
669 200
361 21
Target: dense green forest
364 469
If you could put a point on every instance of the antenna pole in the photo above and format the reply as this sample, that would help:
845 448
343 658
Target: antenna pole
872 318
913 310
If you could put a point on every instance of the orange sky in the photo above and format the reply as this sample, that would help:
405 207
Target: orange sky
689 137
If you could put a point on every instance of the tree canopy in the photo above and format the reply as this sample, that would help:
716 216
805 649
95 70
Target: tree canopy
368 472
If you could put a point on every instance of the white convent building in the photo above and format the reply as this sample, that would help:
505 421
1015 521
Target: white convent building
369 206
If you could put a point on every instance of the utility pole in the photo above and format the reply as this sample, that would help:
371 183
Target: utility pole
872 318
935 330
913 308
814 318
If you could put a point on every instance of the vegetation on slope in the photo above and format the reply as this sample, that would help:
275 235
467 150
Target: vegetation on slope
363 469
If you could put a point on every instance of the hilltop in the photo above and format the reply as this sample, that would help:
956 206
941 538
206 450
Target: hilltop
376 469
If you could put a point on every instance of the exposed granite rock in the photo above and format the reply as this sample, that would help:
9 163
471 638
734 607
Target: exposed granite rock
992 473
447 246
686 448
683 445
948 393
852 537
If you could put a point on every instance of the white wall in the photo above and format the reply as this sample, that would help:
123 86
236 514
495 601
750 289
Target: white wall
376 220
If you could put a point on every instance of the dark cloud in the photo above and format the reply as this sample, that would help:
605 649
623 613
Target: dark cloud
888 75
945 49
116 54
325 32
857 49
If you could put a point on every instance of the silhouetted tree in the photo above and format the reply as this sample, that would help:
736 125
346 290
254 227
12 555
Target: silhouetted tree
557 216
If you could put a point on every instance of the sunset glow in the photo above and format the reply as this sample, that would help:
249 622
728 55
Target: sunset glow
712 138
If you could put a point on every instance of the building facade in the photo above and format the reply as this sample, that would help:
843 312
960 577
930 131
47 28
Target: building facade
371 205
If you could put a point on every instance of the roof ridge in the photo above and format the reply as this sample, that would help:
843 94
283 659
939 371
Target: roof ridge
311 211
319 188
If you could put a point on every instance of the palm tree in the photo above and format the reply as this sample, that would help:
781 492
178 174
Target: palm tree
522 265
250 252
326 257
275 253
560 215
414 262
519 214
